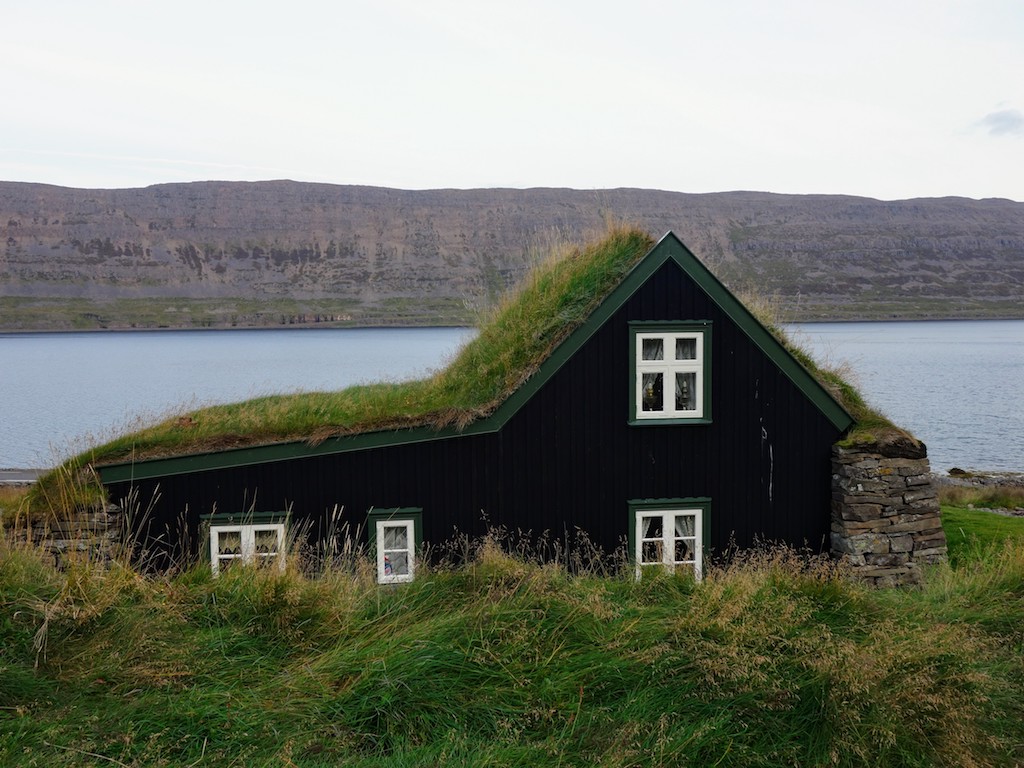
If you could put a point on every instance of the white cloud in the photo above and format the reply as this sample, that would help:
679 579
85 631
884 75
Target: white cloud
1004 122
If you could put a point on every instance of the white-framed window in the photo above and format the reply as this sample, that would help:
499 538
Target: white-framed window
396 551
260 543
395 537
669 537
670 372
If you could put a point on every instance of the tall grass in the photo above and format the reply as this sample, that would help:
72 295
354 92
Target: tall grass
988 496
499 659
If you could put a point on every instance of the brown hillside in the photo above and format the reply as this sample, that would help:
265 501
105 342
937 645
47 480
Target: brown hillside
234 253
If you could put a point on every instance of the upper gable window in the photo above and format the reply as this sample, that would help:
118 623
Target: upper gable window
671 372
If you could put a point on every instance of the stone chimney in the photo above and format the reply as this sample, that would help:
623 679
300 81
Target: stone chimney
885 511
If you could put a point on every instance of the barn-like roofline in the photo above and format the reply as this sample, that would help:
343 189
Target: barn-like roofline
669 248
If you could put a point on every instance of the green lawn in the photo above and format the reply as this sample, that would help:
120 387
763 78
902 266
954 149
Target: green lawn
971 530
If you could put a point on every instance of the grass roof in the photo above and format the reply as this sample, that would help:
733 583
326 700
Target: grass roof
514 339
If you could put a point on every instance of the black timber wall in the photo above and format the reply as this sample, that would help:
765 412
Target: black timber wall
571 459
568 458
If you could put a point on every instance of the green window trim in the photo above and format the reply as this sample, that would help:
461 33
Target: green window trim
693 540
689 373
244 518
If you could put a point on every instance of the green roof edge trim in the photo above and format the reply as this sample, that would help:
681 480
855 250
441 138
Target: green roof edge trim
755 330
669 247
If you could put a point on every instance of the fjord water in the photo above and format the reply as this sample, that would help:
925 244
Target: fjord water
955 385
62 392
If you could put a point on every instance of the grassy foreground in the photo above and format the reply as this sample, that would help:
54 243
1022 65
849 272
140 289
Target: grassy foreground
498 660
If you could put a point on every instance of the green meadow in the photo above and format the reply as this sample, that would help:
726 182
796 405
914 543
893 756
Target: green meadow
499 657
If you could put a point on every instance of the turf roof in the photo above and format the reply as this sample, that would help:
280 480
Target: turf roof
513 341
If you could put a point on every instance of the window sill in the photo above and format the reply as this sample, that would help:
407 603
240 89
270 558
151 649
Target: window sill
668 422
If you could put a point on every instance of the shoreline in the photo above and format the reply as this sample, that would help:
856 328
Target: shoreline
441 323
20 476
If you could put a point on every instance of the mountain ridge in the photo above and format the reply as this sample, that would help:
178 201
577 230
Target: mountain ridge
250 254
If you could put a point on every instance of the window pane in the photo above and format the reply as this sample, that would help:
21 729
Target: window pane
686 391
686 349
229 542
266 542
652 393
685 525
650 552
396 564
653 349
683 551
652 527
396 537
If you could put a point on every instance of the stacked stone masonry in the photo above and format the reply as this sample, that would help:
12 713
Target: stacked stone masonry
885 512
95 534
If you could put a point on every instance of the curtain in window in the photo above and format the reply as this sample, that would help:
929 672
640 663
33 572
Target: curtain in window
653 392
685 526
653 349
229 543
266 542
396 550
686 349
686 388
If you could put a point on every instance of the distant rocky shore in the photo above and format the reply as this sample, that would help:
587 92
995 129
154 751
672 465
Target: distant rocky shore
965 479
19 476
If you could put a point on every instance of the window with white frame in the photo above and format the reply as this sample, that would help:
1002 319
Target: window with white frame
395 537
669 538
260 543
670 375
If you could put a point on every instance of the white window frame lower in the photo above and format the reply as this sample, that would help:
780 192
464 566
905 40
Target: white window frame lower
668 539
668 367
385 573
247 537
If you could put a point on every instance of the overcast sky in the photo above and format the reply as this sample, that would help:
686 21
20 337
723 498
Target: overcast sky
883 98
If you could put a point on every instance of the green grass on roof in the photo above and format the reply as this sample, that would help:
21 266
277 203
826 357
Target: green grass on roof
513 340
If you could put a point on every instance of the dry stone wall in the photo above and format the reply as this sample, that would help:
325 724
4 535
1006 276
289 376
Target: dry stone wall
885 511
95 534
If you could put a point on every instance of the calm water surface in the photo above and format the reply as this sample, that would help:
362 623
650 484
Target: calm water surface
62 392
956 385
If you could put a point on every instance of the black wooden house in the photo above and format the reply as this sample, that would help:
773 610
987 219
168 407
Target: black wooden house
671 420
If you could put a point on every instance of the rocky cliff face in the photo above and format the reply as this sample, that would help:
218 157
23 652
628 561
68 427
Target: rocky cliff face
371 250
